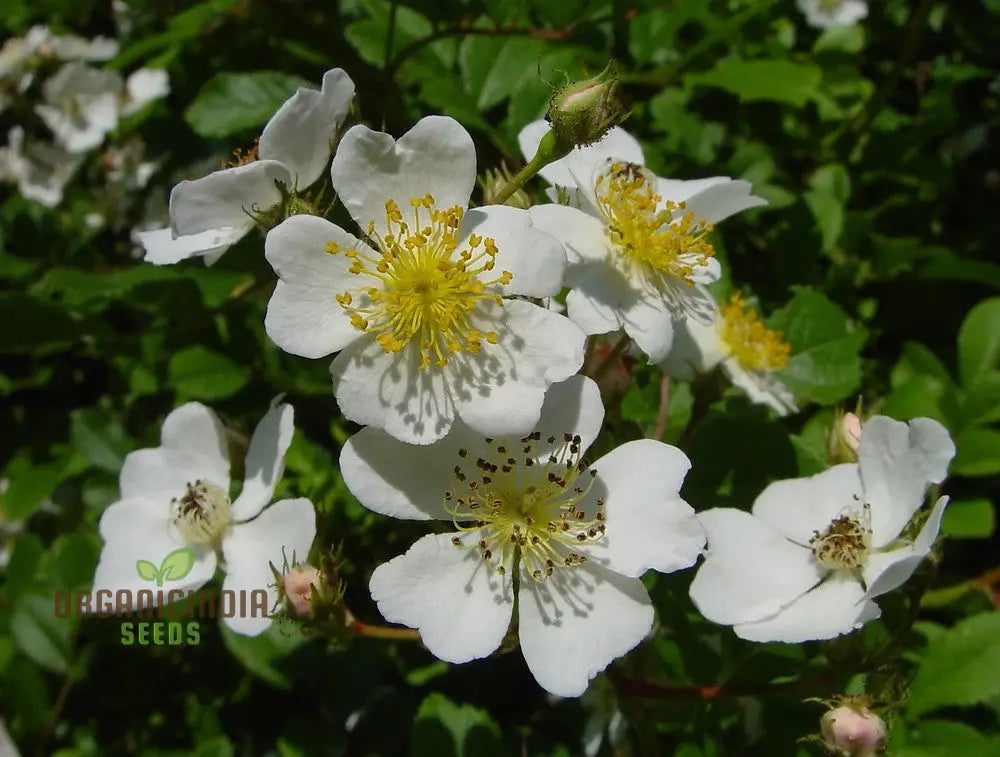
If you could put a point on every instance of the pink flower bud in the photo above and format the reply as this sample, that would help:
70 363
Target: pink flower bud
297 587
851 429
852 730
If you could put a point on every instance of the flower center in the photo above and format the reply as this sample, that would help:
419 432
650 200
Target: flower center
423 289
525 507
202 513
844 544
756 347
830 5
662 241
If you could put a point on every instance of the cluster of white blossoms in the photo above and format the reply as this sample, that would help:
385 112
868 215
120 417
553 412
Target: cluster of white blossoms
179 495
451 348
79 104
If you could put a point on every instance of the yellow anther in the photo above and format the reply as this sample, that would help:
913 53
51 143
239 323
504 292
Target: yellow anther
332 248
426 287
756 347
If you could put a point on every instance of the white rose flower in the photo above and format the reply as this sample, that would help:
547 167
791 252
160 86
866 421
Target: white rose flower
575 537
177 495
421 312
81 105
747 351
40 170
828 14
636 243
815 552
210 214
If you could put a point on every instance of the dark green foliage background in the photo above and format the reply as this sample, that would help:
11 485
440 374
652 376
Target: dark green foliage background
877 147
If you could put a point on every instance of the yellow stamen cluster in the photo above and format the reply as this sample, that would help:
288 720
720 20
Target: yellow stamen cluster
526 506
665 243
423 288
756 347
243 157
845 542
202 513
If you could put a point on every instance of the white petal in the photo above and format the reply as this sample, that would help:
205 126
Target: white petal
389 391
224 199
143 87
437 156
573 625
585 237
898 460
284 532
162 248
460 606
722 200
196 430
499 391
595 302
193 446
886 571
572 407
508 408
300 134
651 325
695 349
265 461
139 529
617 143
761 387
750 570
400 480
648 524
536 259
303 316
798 507
833 608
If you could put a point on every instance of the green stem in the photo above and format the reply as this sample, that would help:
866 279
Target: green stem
390 633
549 150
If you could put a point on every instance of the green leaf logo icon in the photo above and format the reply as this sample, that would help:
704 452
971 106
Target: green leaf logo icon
174 567
146 570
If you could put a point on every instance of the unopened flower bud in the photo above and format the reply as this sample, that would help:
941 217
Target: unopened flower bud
845 439
581 112
852 730
296 588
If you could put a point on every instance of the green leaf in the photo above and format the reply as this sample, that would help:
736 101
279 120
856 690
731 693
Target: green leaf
750 80
147 571
943 738
982 399
978 452
493 67
845 39
262 655
176 565
824 363
100 437
979 342
200 373
443 728
40 634
40 327
231 103
969 519
961 667
32 483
